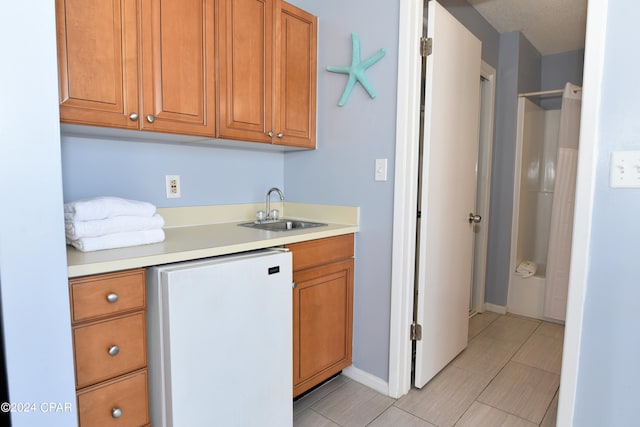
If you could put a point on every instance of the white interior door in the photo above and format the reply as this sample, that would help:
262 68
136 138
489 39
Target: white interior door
447 192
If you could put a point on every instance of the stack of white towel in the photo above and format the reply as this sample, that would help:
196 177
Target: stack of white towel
111 222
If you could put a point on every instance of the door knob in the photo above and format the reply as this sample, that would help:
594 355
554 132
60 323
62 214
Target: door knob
474 218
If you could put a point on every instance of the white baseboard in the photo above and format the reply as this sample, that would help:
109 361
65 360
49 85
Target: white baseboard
367 379
500 309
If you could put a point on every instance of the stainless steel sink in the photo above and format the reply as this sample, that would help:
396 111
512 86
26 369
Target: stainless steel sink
282 225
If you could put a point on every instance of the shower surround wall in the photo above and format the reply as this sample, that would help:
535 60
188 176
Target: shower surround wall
521 69
536 152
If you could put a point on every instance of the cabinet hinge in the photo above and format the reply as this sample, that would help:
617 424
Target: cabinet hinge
416 331
426 46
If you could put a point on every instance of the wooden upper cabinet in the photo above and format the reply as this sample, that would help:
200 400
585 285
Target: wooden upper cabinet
97 61
105 45
178 66
267 75
236 69
246 49
295 117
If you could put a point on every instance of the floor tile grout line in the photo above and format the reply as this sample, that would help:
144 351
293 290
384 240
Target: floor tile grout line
491 379
329 394
549 407
495 375
385 410
406 412
321 415
522 364
500 370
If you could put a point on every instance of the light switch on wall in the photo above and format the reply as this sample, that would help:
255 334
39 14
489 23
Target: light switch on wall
381 170
625 169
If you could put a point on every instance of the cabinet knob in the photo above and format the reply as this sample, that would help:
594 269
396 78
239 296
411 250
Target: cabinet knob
150 118
133 117
280 135
114 350
293 285
116 412
270 134
112 298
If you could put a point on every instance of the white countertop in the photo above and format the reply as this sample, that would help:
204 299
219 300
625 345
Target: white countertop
186 242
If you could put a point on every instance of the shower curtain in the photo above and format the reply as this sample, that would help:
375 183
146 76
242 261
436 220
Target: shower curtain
561 229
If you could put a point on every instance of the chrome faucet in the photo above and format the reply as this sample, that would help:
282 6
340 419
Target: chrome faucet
268 204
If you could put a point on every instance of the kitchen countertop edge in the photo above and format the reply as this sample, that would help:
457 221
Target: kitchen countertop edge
193 242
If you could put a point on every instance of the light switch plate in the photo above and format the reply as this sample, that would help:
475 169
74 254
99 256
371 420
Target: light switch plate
625 169
381 170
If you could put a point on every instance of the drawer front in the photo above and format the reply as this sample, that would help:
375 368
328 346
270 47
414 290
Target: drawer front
93 344
107 294
321 251
99 406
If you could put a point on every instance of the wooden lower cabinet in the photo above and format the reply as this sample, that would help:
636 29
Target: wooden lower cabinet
121 402
110 348
322 309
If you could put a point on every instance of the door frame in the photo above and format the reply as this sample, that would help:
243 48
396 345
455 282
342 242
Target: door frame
406 193
483 198
405 201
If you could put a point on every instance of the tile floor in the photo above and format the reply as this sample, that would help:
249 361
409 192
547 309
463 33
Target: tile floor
507 376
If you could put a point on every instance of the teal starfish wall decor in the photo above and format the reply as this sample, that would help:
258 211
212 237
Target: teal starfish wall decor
356 70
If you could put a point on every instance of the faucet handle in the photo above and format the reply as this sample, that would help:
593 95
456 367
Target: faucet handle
274 214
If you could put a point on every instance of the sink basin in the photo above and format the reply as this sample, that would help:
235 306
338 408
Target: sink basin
282 225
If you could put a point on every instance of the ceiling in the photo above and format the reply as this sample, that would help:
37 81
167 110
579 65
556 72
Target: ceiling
552 26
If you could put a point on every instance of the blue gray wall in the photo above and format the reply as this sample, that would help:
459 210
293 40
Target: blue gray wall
33 273
341 170
557 70
136 170
608 375
519 71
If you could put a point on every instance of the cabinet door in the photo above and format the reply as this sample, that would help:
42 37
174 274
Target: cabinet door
178 69
246 69
97 61
322 323
296 54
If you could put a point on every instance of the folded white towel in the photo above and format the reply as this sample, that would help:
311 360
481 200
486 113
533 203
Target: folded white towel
117 224
106 207
118 240
526 269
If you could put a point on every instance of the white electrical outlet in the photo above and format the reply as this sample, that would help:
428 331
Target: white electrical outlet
173 187
625 169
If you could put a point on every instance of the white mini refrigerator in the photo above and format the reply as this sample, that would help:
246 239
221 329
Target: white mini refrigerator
219 338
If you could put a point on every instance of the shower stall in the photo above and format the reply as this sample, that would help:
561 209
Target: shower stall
543 196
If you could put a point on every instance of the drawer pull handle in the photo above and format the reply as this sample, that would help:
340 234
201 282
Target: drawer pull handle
116 412
114 350
112 298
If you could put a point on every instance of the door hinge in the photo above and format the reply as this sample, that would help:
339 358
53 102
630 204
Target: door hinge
416 331
426 46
